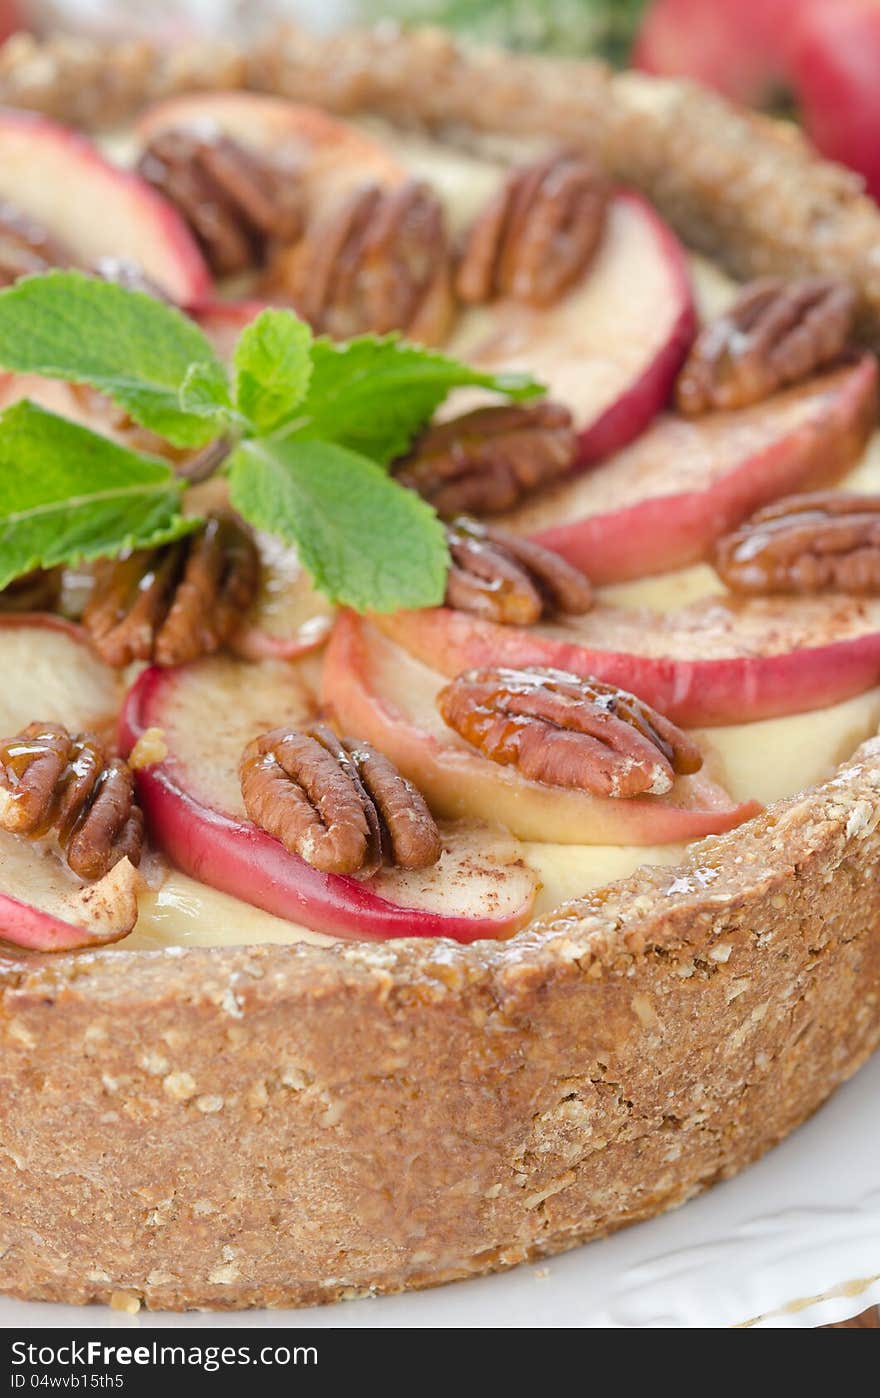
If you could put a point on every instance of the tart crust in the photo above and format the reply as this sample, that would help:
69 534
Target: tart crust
279 1126
272 1126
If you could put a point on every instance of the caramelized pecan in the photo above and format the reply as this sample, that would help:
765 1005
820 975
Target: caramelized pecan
510 580
336 802
377 261
774 334
50 781
536 238
825 542
235 200
25 247
486 461
172 604
569 732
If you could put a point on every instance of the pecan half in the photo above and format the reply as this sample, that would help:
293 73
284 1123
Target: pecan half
172 604
336 802
775 333
235 200
536 238
377 261
510 580
825 542
486 461
50 781
25 247
569 732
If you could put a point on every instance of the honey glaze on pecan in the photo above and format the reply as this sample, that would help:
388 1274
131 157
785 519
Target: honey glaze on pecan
336 802
236 201
376 261
538 235
828 541
509 580
52 782
486 461
775 334
567 731
172 604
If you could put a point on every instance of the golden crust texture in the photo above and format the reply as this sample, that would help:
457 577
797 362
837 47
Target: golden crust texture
743 189
275 1126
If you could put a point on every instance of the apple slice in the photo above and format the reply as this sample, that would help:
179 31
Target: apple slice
719 661
59 678
663 502
382 693
611 348
288 617
60 180
54 675
45 908
328 154
205 714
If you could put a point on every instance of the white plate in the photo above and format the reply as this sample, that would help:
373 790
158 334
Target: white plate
794 1241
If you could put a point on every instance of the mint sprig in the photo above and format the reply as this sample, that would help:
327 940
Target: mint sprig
310 428
68 494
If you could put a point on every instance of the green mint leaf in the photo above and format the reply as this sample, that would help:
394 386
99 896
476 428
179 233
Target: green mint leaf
272 366
366 541
205 393
68 494
373 395
131 346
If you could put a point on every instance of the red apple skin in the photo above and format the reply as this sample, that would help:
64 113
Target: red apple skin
739 47
628 417
446 773
68 175
11 21
242 860
835 74
667 531
692 692
826 53
26 926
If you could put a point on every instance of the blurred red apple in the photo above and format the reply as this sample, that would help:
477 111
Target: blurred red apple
835 73
825 53
10 19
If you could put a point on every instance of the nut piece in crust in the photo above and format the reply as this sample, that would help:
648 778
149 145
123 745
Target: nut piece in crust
776 333
50 781
537 237
569 732
488 460
236 201
825 542
377 261
510 580
172 604
336 802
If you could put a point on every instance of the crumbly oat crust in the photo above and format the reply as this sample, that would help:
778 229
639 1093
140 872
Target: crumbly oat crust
741 188
275 1126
